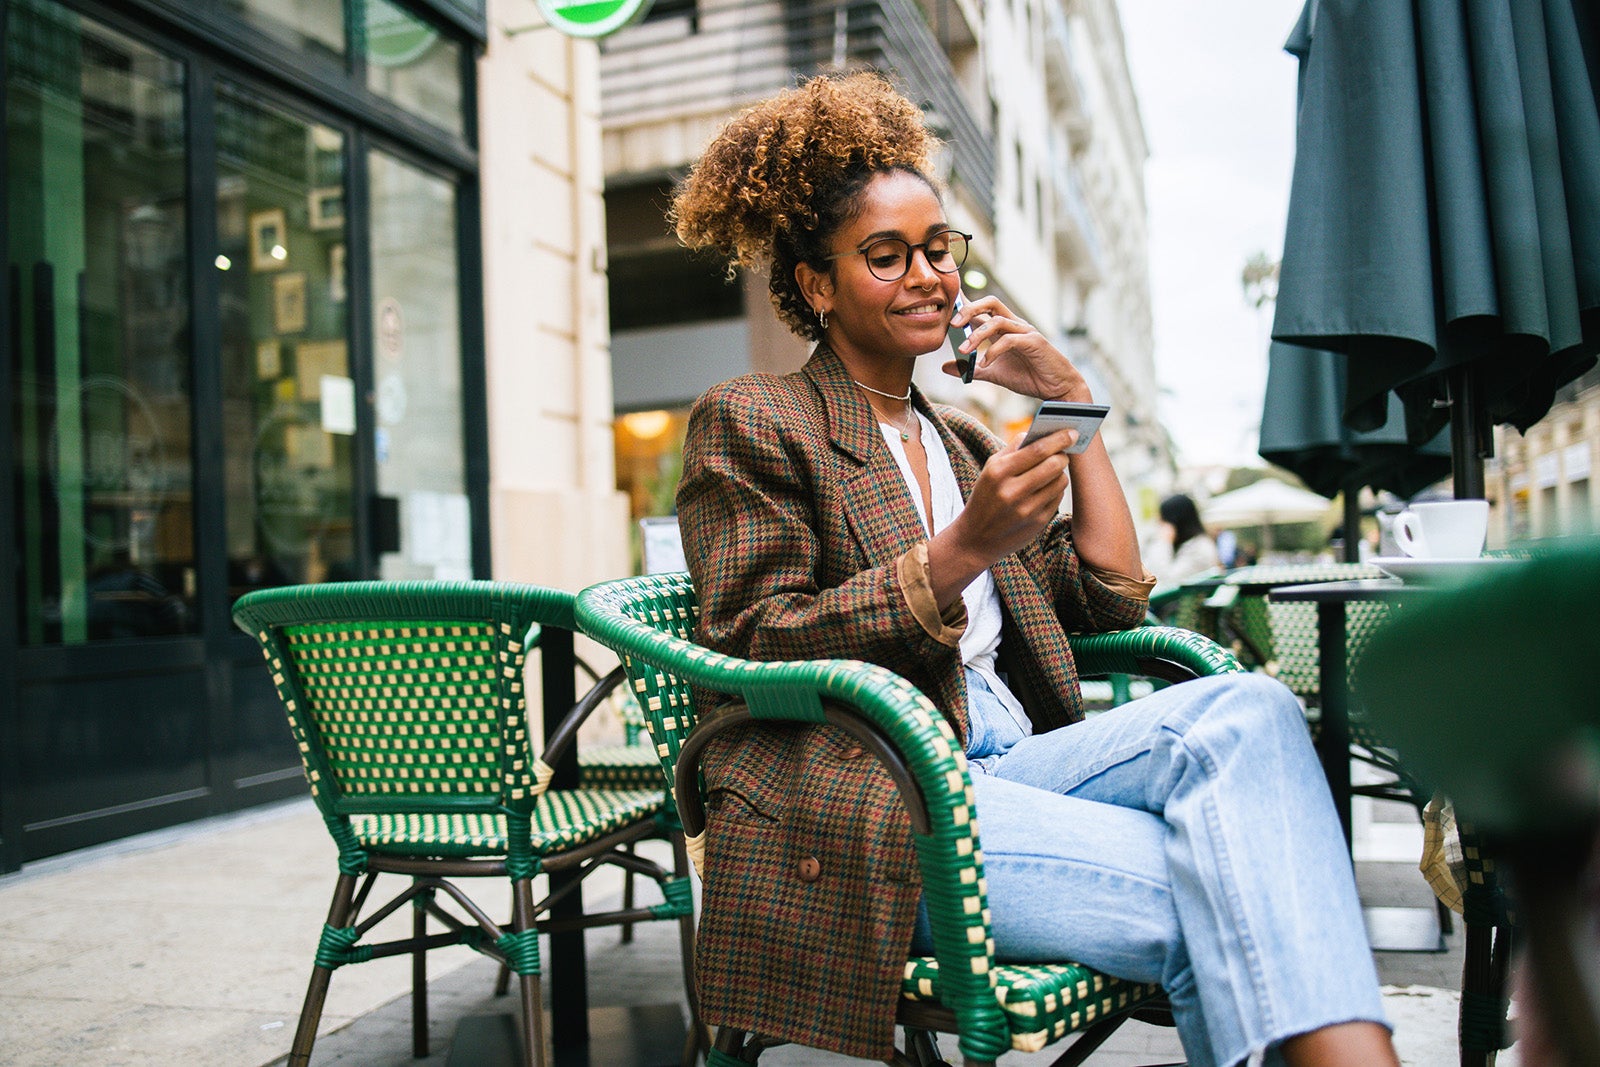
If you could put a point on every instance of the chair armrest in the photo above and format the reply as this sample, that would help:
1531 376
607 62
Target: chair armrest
567 731
1169 653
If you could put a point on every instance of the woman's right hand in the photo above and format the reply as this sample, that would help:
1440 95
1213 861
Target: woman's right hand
1018 492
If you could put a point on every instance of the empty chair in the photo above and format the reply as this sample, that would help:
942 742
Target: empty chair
409 706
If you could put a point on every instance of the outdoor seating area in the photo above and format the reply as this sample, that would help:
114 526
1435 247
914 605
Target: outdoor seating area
698 533
403 695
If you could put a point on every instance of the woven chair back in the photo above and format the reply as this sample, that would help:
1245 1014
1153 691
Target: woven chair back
666 603
407 696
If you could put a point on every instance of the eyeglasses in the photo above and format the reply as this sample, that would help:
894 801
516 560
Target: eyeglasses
889 258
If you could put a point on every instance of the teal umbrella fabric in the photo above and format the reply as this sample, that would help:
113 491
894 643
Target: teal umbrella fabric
1302 431
1444 216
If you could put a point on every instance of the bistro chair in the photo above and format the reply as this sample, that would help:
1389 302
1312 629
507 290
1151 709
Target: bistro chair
992 1007
408 703
1488 688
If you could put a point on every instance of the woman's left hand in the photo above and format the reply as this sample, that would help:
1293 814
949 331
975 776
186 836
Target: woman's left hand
1011 353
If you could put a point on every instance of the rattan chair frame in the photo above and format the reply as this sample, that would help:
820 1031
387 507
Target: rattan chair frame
407 702
649 621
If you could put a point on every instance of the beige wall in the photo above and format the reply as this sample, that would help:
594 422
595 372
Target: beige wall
556 517
1543 483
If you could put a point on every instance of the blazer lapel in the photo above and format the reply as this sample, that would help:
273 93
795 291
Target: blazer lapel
877 505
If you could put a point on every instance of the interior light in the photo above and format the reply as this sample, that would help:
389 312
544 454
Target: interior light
646 425
223 262
279 252
975 279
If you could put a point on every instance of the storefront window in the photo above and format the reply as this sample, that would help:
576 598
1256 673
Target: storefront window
416 329
100 333
410 62
304 25
289 403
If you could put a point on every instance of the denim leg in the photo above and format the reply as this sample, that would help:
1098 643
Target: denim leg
1260 879
1072 879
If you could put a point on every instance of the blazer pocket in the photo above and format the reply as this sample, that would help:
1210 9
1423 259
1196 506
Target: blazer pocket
730 804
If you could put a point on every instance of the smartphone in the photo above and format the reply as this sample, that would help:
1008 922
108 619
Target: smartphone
1057 414
966 362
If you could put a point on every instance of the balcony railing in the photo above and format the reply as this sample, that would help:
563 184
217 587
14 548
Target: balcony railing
730 53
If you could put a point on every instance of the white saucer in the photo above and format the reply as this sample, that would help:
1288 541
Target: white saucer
1436 571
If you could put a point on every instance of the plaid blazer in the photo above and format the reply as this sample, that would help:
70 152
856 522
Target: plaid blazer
795 518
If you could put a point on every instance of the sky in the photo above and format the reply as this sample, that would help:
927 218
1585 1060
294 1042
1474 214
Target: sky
1216 92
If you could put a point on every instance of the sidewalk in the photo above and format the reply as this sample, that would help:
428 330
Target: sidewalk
193 946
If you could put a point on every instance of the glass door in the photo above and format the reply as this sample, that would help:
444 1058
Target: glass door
417 387
111 715
288 390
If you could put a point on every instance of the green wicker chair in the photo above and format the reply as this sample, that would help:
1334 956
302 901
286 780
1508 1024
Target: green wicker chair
407 701
993 1007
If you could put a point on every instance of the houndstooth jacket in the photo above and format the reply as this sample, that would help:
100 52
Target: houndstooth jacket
803 542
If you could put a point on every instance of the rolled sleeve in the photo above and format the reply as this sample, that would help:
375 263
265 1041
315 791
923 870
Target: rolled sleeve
1133 588
916 586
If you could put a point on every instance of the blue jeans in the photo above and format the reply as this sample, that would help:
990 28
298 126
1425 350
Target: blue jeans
1185 838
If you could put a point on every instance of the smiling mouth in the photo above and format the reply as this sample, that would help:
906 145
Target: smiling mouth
921 309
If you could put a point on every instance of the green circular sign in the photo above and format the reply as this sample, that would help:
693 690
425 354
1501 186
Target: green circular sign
588 18
396 38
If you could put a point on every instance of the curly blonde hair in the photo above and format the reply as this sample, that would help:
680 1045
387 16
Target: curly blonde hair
783 176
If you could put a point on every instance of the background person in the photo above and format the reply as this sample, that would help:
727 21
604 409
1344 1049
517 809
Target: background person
1182 548
1186 838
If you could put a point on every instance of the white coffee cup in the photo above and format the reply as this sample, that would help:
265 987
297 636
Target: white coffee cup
1443 529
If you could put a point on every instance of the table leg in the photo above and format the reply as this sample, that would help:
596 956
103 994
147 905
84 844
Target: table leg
568 971
1334 743
1388 929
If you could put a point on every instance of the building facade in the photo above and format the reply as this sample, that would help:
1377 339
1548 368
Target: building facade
259 332
1044 164
1541 483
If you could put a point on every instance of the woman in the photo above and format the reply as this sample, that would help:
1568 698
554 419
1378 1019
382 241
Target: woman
835 512
1183 549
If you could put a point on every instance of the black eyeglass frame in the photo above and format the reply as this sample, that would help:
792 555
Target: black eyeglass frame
911 250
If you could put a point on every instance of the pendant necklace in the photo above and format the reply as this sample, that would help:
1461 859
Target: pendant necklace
905 428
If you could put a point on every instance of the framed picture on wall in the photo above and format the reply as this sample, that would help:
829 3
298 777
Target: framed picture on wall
325 207
269 240
269 359
289 302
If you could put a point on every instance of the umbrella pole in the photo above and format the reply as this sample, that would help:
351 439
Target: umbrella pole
1351 496
1466 433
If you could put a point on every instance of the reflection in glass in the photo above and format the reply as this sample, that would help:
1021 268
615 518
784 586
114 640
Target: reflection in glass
417 369
97 268
288 399
410 62
315 26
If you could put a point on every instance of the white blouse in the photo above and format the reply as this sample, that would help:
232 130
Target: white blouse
980 642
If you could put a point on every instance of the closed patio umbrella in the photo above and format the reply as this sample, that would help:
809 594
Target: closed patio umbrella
1302 431
1444 217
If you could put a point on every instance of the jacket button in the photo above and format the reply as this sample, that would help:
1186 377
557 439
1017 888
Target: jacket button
853 752
810 869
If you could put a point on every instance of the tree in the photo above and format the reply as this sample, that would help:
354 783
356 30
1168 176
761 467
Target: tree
1260 280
